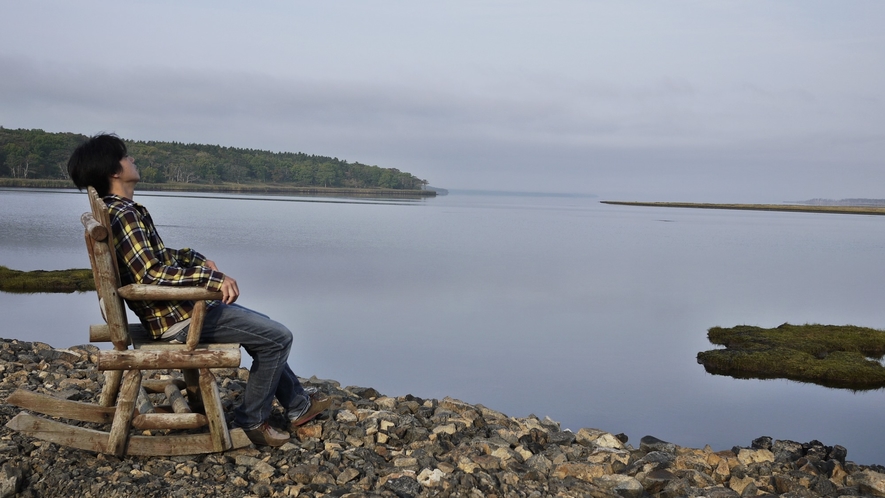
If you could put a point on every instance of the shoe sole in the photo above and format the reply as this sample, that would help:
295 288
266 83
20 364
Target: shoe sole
272 443
299 423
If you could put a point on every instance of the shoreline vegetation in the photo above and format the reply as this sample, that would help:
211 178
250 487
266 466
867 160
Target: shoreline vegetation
802 208
60 281
38 155
233 188
836 356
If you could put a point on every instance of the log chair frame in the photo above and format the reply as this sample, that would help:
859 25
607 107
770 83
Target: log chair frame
124 401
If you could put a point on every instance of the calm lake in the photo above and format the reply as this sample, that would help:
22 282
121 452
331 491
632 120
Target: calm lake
549 305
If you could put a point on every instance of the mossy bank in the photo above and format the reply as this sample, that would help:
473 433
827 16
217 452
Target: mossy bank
64 281
841 356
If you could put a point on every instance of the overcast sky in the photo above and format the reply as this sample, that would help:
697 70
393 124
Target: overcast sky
729 101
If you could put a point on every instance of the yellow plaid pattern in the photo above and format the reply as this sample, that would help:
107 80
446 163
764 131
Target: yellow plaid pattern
144 259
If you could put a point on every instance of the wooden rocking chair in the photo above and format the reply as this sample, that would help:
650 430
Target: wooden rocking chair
124 401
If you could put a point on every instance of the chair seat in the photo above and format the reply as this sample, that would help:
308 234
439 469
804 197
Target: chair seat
151 345
141 339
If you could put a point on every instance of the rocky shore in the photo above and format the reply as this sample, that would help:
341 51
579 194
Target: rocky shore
369 444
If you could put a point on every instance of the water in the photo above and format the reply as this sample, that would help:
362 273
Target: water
560 306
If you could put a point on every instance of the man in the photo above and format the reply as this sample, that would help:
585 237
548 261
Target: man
103 163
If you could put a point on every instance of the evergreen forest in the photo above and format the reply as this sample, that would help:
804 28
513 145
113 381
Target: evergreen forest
36 154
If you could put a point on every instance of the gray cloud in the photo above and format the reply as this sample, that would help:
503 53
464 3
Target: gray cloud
715 101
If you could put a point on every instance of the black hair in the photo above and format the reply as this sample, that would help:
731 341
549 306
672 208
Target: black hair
95 160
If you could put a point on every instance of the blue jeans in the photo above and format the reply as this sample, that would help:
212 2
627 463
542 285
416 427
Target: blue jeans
268 343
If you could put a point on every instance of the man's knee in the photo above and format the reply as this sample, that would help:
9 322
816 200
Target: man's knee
258 329
286 336
279 334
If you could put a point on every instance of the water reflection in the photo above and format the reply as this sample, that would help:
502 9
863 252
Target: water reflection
588 313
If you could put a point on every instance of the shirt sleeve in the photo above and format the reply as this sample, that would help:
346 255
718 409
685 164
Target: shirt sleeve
150 262
187 257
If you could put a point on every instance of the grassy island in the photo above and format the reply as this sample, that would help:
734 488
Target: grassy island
802 208
74 280
829 355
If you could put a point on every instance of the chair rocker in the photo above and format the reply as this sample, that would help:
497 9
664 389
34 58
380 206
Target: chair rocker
124 401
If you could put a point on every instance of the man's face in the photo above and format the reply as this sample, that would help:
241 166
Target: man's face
128 171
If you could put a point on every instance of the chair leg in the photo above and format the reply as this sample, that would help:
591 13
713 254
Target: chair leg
194 397
111 388
123 417
221 440
143 402
176 400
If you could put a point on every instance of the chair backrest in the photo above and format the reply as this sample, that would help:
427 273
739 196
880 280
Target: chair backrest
102 256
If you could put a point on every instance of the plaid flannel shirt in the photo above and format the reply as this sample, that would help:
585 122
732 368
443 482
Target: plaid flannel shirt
143 259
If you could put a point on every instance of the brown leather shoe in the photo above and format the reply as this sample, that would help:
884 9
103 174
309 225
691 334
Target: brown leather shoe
265 435
319 402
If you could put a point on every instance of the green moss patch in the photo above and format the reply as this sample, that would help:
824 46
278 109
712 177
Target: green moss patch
842 356
46 281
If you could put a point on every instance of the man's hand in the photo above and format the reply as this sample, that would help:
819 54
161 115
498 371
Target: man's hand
229 290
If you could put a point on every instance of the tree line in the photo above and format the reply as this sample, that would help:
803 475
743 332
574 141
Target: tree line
36 154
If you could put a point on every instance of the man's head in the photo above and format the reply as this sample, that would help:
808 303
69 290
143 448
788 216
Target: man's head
94 162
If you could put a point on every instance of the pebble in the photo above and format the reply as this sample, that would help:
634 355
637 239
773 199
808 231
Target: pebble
371 445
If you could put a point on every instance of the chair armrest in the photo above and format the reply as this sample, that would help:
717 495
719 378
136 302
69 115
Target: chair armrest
96 230
146 292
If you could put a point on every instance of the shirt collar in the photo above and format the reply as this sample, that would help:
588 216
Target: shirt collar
120 200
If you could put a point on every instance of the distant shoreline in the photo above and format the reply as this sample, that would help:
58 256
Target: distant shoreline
760 207
232 188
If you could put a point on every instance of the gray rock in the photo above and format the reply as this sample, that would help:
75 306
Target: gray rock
651 443
870 482
10 481
656 459
838 453
720 492
625 486
787 451
404 487
762 443
561 438
382 446
540 463
656 480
